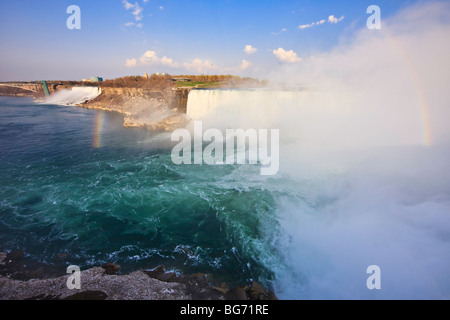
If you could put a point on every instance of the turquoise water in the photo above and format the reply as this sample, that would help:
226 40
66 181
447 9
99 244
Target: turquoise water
123 200
75 183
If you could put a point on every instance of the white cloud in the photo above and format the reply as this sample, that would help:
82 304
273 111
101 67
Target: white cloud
200 65
333 19
249 49
169 62
306 26
130 24
317 23
161 8
245 64
137 12
149 57
136 9
286 56
131 63
127 5
278 33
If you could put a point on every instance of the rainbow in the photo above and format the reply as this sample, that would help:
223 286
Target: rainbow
424 111
97 139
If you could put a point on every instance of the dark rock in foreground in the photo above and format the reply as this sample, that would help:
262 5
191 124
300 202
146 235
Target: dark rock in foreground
110 268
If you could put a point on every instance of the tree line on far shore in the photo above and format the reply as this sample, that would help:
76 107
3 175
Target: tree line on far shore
166 81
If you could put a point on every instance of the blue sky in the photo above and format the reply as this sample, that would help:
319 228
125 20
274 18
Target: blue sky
121 37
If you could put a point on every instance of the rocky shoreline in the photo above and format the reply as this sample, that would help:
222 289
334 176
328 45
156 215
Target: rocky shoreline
160 110
155 110
22 279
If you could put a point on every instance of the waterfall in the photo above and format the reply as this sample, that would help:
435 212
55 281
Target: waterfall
312 117
242 103
76 95
355 188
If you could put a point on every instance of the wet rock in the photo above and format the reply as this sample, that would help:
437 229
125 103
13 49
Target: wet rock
257 291
110 268
272 296
199 275
160 274
36 273
85 295
156 272
206 277
237 293
14 256
62 256
88 295
204 293
42 297
168 277
221 290
2 258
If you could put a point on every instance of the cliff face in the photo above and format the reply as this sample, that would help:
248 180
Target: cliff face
179 99
160 110
116 99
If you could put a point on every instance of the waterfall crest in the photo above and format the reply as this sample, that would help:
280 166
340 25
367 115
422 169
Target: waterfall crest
73 97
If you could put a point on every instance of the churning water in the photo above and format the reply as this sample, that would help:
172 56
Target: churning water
75 181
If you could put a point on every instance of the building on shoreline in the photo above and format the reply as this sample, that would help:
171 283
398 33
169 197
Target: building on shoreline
93 79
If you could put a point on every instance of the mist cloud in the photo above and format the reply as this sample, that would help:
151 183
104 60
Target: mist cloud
369 188
391 83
